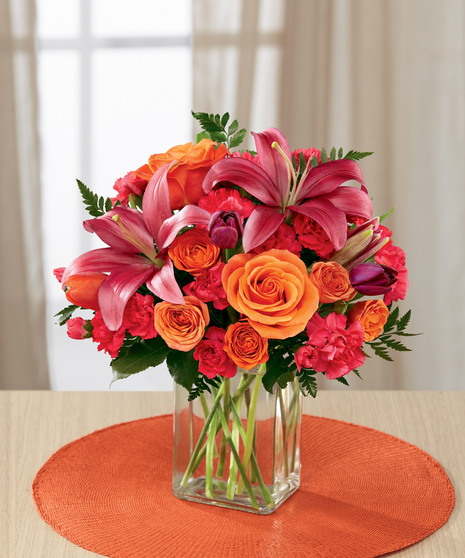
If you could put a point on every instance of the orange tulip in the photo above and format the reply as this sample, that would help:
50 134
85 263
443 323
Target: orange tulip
82 289
273 290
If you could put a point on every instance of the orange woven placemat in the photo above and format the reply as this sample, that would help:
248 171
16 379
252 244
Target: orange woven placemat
363 494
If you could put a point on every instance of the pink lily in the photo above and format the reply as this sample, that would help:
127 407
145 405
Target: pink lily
318 193
137 249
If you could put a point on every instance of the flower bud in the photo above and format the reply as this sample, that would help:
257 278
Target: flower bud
224 228
372 279
82 289
78 328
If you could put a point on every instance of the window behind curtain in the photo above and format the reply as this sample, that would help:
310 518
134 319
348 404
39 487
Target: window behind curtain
114 87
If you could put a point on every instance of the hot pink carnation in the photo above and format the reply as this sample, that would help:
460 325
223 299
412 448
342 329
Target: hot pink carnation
246 155
138 316
212 358
226 199
208 287
76 328
338 349
312 235
129 184
308 154
282 239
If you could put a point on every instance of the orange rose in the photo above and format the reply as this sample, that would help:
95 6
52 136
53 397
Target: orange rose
186 175
181 326
332 282
245 346
82 289
193 251
273 290
372 314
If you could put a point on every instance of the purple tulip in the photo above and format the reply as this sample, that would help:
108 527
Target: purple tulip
372 278
224 228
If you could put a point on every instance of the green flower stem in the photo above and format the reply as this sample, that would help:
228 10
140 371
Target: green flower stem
210 446
295 414
223 443
203 402
243 474
232 479
193 460
266 493
251 425
285 429
242 387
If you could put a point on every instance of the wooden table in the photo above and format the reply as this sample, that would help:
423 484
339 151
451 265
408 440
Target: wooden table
33 425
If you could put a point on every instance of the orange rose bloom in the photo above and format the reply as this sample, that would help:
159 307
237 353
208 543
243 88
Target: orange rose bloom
193 251
372 314
186 176
273 290
332 282
245 346
181 326
82 289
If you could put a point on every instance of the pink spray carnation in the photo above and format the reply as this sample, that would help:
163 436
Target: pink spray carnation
76 328
306 357
338 349
246 155
226 199
311 235
393 256
208 287
138 316
212 358
308 154
129 184
109 341
282 239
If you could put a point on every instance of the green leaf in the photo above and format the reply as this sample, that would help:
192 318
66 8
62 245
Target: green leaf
357 373
208 122
285 379
381 352
275 368
342 380
238 138
94 205
340 153
404 321
307 381
224 119
65 314
201 136
139 356
202 384
396 345
302 162
332 154
233 127
391 321
324 156
357 155
314 162
381 219
183 368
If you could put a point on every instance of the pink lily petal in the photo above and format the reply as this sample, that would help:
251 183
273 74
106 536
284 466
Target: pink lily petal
261 224
130 235
351 201
271 161
326 178
332 220
106 260
163 283
245 174
189 215
156 206
115 292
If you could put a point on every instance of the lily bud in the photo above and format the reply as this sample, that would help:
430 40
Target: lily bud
362 242
224 228
372 279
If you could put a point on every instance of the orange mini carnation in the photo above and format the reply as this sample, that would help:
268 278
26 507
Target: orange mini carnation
193 251
372 314
273 290
185 177
181 326
332 282
82 289
245 346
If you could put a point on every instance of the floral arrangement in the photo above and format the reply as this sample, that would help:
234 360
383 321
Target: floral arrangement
263 265
219 259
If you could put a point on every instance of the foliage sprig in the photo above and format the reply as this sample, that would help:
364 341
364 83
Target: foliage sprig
215 128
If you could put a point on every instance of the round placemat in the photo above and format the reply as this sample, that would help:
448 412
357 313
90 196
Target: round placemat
363 494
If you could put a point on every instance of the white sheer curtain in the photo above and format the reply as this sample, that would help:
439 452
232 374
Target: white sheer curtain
388 77
23 361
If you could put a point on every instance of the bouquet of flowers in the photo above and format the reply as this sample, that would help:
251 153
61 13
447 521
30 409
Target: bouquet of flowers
223 261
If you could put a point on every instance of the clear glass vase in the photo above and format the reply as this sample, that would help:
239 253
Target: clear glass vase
238 447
